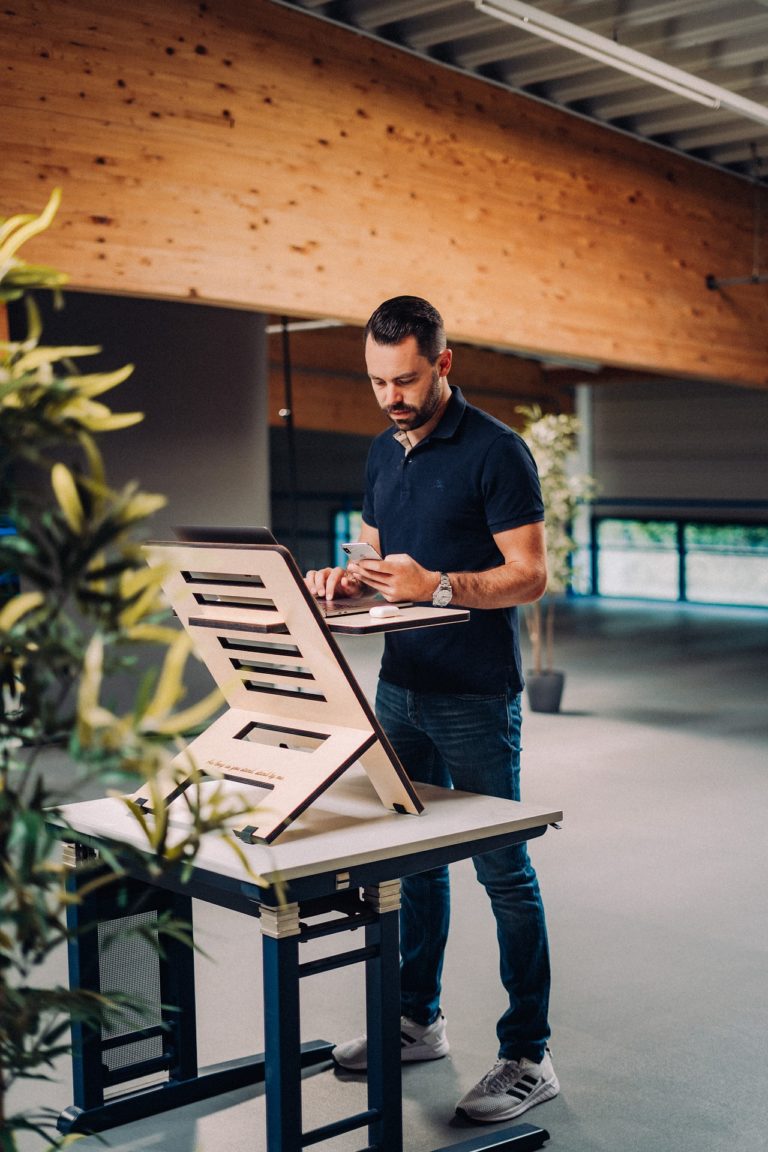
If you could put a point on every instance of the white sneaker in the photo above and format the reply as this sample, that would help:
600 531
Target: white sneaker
417 1042
510 1088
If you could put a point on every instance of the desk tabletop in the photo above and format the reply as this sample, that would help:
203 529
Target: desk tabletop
347 826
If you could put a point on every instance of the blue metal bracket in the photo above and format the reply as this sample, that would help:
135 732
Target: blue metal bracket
521 1138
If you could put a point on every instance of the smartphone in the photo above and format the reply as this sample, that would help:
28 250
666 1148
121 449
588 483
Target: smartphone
358 550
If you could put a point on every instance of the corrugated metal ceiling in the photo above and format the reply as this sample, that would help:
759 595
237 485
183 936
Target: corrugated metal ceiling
722 44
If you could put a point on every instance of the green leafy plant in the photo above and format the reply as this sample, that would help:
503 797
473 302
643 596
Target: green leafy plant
77 605
553 439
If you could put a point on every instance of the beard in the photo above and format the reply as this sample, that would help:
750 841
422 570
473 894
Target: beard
409 416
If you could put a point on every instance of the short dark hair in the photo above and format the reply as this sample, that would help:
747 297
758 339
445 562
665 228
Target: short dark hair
403 316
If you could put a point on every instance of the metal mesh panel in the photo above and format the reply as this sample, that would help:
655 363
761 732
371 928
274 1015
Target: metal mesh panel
129 965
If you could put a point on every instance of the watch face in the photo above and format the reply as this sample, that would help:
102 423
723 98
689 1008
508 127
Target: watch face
443 593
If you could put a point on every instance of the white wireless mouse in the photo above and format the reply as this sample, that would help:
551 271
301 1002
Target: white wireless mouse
383 610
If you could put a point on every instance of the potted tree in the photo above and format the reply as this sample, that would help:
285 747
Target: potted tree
553 440
77 601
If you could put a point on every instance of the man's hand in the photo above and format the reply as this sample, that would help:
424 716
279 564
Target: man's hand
397 577
333 583
520 579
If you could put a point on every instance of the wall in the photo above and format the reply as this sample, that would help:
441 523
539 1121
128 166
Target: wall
330 476
683 442
200 379
245 154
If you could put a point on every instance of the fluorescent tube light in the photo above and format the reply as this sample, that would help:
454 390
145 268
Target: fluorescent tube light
605 51
302 326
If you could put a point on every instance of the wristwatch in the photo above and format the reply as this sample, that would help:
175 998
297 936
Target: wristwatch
443 594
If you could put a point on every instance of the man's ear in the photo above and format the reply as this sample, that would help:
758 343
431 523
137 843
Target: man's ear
444 361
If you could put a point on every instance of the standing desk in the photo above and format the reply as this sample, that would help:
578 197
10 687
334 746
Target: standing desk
300 734
340 867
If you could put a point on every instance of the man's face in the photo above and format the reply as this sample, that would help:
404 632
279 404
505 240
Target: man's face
407 387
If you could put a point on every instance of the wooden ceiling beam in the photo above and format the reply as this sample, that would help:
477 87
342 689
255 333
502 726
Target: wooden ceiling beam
247 155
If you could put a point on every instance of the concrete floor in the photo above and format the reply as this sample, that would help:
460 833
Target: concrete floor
655 895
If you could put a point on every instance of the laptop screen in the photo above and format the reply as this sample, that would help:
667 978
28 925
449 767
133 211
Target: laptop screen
196 534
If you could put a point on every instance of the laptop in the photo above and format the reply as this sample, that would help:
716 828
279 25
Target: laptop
196 534
200 534
348 607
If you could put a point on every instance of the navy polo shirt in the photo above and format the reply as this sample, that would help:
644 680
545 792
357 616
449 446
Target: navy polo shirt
441 503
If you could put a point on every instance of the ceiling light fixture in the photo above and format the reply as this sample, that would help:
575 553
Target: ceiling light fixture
302 326
605 51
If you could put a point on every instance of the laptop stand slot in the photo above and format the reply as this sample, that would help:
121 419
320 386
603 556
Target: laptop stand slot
295 670
229 580
267 647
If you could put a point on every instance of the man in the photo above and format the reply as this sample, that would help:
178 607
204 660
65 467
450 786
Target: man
453 505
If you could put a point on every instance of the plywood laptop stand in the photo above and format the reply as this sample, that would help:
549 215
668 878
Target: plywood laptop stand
297 718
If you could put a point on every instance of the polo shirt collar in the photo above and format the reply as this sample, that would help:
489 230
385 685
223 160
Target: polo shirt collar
451 417
450 421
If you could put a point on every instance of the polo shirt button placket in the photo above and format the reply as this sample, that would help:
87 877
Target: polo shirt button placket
405 477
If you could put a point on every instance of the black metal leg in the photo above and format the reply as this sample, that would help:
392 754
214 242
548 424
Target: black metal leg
280 930
382 980
83 959
177 985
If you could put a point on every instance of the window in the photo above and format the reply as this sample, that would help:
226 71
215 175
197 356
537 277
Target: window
638 558
726 563
347 525
679 560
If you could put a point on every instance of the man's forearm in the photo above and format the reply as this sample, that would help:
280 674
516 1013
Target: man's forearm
520 579
511 583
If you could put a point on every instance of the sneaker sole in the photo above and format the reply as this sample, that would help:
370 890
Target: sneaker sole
546 1091
349 1065
407 1056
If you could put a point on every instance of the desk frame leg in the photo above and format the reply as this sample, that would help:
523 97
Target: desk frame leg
382 981
170 977
282 1062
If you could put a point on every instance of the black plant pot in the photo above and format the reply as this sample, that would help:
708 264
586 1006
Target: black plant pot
545 691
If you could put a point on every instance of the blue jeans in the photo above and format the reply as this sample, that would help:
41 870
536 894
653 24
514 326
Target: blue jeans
473 744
